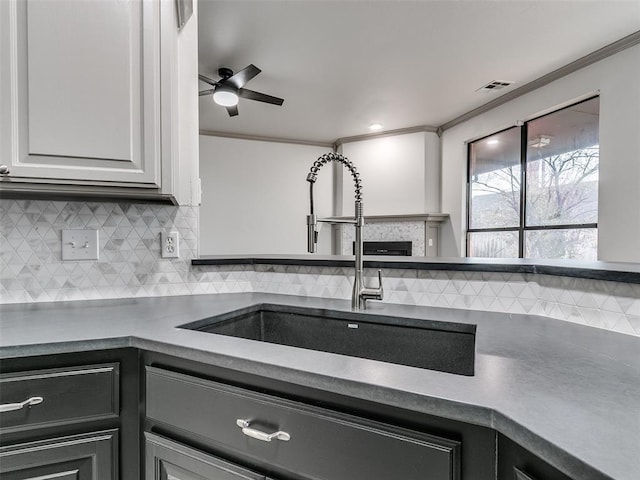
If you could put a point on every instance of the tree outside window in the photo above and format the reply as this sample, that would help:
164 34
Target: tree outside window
556 159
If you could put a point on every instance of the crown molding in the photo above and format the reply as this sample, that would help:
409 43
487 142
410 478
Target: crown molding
593 57
259 138
589 59
386 133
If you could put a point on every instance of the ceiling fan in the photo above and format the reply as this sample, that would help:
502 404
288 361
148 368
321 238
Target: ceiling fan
228 89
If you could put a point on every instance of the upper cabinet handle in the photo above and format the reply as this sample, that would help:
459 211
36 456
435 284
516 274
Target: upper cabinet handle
4 170
10 407
258 435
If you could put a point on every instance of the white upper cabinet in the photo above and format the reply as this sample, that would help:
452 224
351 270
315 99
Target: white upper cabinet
82 93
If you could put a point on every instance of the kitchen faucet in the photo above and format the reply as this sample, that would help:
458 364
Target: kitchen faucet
361 293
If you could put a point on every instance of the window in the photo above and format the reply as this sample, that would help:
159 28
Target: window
533 190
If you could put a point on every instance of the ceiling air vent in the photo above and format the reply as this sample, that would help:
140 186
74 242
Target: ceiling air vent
494 85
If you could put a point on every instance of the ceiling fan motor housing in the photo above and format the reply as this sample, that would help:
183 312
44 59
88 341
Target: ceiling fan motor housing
225 72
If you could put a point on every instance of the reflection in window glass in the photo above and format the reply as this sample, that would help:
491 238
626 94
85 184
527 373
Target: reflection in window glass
562 167
495 177
574 243
493 244
549 207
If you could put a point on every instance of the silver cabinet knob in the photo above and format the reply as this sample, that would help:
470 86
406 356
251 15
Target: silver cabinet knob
4 170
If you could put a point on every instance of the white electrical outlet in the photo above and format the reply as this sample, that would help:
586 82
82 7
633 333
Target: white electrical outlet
169 244
79 244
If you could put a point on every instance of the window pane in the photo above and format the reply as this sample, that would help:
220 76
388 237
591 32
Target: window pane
495 181
493 244
576 243
562 167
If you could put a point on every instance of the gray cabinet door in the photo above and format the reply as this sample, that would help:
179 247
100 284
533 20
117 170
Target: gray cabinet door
168 460
79 457
306 441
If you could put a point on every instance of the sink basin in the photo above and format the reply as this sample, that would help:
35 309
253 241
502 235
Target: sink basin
434 345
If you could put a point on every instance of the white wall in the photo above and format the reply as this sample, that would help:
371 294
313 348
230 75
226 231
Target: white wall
255 197
186 165
617 78
400 174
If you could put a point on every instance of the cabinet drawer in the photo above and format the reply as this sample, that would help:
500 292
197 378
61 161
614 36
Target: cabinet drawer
312 442
87 456
68 395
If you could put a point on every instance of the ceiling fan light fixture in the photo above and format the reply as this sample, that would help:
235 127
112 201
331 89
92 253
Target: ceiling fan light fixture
227 91
540 141
225 98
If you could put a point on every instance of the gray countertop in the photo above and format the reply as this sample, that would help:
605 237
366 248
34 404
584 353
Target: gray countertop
568 393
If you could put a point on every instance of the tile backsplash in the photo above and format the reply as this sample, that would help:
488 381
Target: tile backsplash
31 269
609 305
408 231
129 263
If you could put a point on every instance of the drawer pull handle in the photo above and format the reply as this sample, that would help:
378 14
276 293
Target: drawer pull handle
10 407
258 435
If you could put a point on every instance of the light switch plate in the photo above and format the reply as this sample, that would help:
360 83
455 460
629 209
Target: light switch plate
169 245
79 244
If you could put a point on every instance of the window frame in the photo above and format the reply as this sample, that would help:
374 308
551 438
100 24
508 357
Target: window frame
522 227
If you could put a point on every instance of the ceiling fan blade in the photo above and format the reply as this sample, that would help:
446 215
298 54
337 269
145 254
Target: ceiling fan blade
243 76
206 92
260 97
233 111
208 80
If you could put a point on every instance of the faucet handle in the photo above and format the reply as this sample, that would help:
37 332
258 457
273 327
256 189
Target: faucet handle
375 293
380 289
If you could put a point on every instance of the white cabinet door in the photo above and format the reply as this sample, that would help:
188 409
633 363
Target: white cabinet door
80 91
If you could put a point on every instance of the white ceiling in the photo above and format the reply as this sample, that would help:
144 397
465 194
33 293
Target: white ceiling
342 65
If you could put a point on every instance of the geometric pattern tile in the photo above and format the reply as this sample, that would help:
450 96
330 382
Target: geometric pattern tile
129 265
410 231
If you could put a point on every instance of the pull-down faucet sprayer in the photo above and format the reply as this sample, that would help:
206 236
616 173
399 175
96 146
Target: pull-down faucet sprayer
361 293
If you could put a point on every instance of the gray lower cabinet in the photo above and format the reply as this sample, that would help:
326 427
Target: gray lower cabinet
168 460
517 463
520 475
70 416
293 439
58 396
91 456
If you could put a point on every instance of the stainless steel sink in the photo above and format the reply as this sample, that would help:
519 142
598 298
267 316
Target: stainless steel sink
434 345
